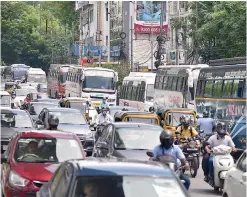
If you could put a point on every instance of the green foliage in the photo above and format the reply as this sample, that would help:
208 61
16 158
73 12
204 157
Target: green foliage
218 29
37 33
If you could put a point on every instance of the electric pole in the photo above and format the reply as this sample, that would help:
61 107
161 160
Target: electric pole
131 41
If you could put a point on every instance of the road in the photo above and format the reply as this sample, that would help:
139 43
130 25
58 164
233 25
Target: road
199 188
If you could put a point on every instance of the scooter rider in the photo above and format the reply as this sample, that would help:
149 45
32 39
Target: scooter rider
186 131
103 104
53 122
220 138
104 117
206 123
167 147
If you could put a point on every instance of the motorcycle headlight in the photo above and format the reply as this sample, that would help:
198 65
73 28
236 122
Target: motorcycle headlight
17 180
192 144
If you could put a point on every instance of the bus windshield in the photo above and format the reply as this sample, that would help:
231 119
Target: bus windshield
36 78
150 93
96 82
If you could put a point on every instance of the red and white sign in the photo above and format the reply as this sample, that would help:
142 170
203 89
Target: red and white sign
143 29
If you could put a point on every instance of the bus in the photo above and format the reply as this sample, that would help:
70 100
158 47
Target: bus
56 79
138 91
175 86
15 72
36 76
93 83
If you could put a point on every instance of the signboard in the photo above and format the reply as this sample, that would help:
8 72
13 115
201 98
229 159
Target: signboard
99 73
115 51
147 18
95 51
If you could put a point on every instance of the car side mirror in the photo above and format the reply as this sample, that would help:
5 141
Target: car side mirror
244 176
150 154
102 145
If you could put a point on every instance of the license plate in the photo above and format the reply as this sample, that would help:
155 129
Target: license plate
5 147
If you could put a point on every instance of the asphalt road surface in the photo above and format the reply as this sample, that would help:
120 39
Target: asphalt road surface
199 188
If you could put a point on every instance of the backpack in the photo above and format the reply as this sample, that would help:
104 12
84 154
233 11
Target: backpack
190 130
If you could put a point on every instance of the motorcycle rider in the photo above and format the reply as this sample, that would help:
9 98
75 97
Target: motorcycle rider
103 104
167 147
186 131
104 117
206 123
181 120
221 138
53 122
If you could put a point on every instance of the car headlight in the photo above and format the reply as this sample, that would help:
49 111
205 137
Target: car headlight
17 180
192 144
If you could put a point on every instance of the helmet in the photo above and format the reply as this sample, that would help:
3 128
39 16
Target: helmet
205 114
53 120
182 119
220 126
187 121
166 138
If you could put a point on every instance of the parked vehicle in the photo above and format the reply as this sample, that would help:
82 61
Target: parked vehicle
5 100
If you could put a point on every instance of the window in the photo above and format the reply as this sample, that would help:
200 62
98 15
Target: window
157 80
227 88
180 83
91 16
164 82
134 93
208 88
217 88
238 88
169 83
198 88
106 40
242 163
174 83
106 16
160 82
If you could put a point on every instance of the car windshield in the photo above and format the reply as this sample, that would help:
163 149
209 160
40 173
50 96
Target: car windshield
70 118
80 106
23 92
37 107
50 150
173 118
20 120
36 78
150 93
128 186
5 100
137 138
143 120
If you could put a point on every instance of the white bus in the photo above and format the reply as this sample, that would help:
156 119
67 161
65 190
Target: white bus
36 76
138 91
93 83
175 86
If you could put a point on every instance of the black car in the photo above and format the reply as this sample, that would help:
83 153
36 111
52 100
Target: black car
112 178
12 121
71 120
127 140
34 108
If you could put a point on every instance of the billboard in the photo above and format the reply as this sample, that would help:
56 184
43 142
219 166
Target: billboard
147 18
95 51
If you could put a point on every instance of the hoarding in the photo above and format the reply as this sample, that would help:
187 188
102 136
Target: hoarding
147 18
95 51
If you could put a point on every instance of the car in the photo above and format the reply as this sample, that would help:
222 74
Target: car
127 140
5 100
71 120
47 100
114 109
236 177
26 165
13 120
34 108
112 177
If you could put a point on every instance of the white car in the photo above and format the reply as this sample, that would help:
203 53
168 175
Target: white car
235 182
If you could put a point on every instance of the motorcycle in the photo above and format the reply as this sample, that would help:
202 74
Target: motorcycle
168 161
222 161
191 151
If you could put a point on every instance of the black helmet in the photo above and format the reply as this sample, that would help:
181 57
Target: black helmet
53 120
166 139
205 114
220 126
182 119
187 121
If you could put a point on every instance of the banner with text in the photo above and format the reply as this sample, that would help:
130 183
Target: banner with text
147 18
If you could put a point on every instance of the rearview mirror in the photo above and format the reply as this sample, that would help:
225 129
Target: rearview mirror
150 154
244 176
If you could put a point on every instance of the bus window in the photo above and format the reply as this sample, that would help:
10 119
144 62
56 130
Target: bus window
134 91
129 92
185 85
227 88
244 90
180 83
169 83
199 88
164 83
156 84
238 88
208 88
217 88
174 84
160 82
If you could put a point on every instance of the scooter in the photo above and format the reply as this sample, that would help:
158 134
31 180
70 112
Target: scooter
222 162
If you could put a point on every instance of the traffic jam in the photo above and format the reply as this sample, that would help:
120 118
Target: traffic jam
75 132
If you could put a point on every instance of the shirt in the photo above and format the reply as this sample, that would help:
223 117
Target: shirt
186 132
101 118
206 124
227 141
174 151
105 105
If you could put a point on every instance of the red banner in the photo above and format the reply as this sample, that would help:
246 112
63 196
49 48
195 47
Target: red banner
141 29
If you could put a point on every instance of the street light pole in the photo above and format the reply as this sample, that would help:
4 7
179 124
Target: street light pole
131 41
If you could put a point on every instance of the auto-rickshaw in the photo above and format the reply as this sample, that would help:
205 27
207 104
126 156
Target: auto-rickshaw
172 118
136 116
10 86
82 104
